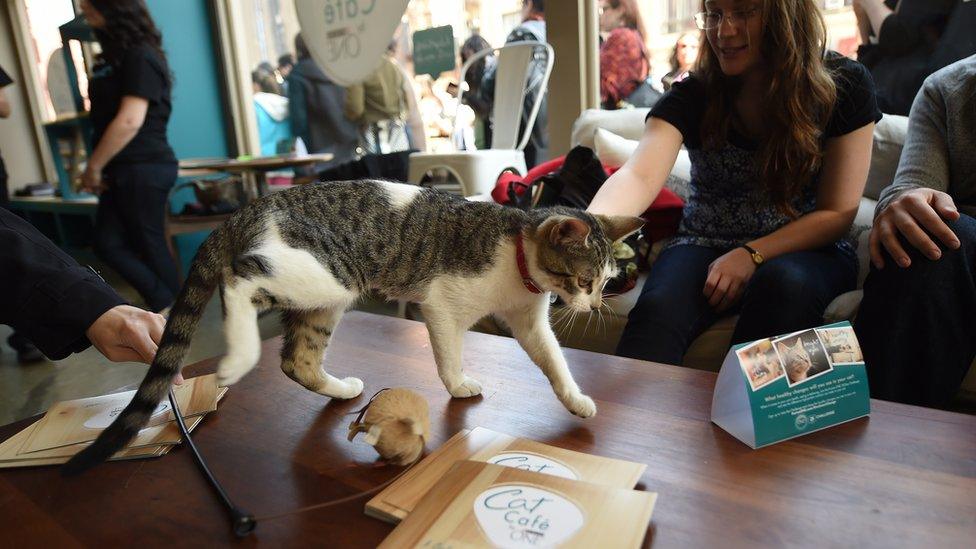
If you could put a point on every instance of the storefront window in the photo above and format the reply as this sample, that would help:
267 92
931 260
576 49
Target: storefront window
44 17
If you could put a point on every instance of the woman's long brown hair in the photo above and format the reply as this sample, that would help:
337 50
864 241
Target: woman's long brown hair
800 98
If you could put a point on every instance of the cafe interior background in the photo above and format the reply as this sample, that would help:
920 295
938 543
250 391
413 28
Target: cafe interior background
212 47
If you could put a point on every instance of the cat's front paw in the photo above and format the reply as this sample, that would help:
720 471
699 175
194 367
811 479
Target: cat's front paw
580 405
352 388
467 388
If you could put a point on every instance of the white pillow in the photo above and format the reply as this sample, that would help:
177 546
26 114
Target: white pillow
628 123
611 149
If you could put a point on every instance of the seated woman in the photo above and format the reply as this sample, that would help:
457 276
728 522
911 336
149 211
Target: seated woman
779 135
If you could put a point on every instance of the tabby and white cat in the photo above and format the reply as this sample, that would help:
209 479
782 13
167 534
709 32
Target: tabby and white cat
311 251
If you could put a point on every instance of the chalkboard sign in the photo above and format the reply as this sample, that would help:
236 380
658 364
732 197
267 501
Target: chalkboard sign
434 51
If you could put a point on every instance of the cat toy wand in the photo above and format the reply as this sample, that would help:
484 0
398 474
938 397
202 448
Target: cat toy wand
242 522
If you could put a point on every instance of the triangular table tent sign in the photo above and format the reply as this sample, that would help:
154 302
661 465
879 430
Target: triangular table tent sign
778 388
347 38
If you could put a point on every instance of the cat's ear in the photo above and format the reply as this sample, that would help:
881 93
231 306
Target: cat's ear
373 435
619 227
568 230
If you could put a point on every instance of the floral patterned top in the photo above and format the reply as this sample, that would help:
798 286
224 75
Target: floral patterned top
727 206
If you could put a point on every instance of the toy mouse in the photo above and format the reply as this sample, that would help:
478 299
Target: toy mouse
396 423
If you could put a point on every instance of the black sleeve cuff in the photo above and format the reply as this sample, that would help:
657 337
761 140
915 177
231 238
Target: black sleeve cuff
62 307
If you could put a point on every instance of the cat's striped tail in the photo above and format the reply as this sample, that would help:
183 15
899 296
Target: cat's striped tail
204 276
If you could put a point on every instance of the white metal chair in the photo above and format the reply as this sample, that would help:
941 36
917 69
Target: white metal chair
477 171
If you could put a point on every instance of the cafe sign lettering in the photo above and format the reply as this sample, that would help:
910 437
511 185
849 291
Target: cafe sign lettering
534 463
347 38
516 516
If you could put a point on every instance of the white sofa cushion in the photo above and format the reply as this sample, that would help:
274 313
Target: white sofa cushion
889 138
627 123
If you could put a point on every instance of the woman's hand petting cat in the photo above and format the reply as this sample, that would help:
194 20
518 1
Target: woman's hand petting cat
727 278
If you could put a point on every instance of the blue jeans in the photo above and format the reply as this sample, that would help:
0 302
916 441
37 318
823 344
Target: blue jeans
917 326
129 232
786 294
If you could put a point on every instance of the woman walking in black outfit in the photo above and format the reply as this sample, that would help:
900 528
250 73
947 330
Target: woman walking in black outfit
133 166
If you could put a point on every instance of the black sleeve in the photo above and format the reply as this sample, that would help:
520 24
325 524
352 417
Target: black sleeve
143 74
47 296
683 107
5 79
902 31
856 103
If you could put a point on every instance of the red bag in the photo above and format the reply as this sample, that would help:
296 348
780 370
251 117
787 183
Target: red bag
662 217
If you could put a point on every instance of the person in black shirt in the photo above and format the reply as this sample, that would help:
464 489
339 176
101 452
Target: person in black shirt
133 166
780 142
26 351
4 113
904 41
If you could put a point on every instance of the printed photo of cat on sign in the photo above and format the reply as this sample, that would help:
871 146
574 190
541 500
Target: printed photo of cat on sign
803 356
841 345
760 363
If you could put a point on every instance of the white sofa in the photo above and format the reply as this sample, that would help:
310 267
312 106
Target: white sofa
613 135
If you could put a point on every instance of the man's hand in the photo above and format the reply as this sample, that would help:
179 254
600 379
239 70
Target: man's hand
727 278
91 180
127 334
909 214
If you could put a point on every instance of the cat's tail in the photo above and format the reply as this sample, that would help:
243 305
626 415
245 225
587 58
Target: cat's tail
205 274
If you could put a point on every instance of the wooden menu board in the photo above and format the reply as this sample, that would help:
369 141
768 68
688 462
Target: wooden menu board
478 504
397 500
82 420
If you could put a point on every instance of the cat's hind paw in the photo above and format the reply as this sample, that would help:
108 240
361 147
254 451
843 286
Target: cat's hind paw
467 388
580 405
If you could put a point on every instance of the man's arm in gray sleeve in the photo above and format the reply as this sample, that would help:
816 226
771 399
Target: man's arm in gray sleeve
925 157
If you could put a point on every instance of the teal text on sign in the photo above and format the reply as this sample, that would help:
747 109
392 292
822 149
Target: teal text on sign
433 50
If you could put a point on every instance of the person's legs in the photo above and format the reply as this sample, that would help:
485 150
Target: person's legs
142 191
120 240
791 292
110 241
671 310
917 326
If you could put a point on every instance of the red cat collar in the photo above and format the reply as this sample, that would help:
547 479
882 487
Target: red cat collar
527 281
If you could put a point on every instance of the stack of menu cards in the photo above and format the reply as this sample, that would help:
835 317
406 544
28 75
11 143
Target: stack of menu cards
70 426
478 504
400 498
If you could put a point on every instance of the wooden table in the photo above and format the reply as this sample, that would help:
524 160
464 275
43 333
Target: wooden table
905 477
253 170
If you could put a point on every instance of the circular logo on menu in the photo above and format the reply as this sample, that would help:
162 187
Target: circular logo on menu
513 516
802 421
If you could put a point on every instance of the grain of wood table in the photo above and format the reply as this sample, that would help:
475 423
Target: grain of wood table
905 477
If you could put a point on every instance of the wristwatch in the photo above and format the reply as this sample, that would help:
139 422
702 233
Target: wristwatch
757 257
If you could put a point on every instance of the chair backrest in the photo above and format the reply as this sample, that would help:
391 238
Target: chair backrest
514 78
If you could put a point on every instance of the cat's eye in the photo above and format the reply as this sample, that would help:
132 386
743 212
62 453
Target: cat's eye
586 283
557 273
